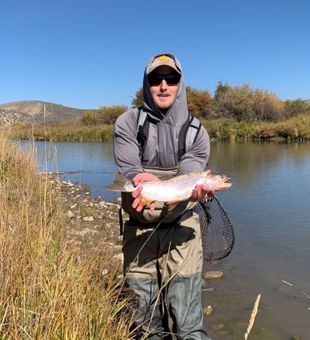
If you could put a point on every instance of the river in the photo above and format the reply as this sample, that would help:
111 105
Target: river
269 206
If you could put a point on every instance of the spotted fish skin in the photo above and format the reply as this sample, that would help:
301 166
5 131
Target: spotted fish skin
178 188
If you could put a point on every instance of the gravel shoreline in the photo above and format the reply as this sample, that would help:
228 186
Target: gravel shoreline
93 223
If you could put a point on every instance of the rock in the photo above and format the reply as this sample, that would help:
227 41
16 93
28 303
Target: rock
208 290
70 214
118 247
119 257
102 204
85 231
212 275
8 117
219 327
208 310
105 272
73 206
88 218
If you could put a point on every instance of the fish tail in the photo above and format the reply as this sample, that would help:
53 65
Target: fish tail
120 183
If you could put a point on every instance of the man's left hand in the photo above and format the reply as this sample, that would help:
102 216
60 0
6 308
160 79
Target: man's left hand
138 202
200 192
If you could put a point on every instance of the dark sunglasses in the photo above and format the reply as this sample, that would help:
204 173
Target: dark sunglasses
172 79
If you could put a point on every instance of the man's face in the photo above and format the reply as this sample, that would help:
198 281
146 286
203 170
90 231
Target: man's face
164 90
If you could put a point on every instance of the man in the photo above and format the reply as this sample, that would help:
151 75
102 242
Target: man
162 245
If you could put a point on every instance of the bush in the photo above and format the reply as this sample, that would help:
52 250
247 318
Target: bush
138 100
267 106
294 107
244 103
199 102
90 118
109 114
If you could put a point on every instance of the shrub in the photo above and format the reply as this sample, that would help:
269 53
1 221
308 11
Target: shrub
199 102
90 118
244 103
294 107
138 98
109 114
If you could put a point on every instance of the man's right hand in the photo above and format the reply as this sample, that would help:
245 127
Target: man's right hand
138 202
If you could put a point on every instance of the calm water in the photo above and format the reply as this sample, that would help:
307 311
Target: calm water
269 205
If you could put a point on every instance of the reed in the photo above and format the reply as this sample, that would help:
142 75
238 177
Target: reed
48 290
66 133
296 128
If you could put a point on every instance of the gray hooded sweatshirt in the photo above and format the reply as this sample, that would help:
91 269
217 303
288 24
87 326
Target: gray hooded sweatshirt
161 149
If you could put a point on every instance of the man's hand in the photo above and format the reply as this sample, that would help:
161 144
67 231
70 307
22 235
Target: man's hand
200 192
138 202
144 177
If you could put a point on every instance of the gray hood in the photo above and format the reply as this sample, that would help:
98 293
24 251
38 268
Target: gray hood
162 145
177 114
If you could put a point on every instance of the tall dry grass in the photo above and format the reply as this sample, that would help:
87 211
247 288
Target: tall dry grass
47 290
296 128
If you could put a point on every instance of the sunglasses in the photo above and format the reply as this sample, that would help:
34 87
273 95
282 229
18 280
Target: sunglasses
171 79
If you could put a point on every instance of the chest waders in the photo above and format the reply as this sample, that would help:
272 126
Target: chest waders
162 264
216 228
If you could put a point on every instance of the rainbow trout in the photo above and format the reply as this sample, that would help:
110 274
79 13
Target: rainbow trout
178 188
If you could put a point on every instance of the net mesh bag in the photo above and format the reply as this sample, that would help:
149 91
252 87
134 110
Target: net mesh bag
217 232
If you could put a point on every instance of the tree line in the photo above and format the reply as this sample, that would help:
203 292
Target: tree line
242 103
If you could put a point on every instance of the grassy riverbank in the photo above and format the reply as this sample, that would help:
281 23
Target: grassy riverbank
49 290
296 128
293 129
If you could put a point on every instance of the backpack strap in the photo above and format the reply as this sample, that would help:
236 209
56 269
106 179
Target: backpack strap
142 132
188 135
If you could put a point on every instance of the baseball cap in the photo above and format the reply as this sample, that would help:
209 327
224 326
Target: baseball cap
163 59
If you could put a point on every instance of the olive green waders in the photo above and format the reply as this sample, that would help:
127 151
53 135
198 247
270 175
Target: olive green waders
162 266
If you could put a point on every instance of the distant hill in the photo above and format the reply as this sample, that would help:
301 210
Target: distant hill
37 112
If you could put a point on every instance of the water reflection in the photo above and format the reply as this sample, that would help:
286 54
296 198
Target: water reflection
93 163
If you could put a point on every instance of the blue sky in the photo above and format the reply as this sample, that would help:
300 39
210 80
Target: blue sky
92 53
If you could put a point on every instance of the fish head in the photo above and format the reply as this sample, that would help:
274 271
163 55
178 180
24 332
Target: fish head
216 182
